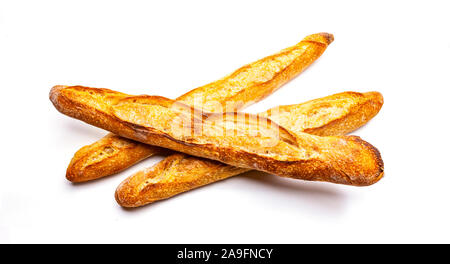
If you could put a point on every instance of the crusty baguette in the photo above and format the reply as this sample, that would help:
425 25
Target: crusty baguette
333 115
237 139
245 86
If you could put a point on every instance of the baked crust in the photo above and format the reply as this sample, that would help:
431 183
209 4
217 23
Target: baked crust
249 84
333 115
237 139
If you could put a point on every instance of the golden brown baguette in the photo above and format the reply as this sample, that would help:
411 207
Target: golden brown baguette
333 115
237 139
243 87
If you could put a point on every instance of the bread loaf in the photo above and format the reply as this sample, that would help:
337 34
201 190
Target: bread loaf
237 139
243 87
333 115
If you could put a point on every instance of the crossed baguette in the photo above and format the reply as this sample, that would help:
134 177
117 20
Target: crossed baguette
237 139
247 85
179 172
333 115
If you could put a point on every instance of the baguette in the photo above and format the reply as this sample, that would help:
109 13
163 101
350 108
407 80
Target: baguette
237 139
243 87
333 115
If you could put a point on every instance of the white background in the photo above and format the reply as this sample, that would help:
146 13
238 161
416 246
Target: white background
400 48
